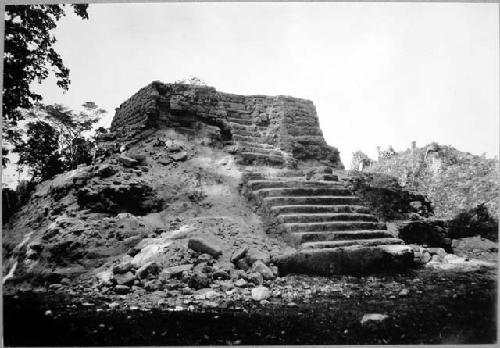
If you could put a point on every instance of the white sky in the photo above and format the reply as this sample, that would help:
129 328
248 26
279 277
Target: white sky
378 73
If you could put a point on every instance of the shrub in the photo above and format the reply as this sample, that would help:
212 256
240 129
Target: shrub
476 221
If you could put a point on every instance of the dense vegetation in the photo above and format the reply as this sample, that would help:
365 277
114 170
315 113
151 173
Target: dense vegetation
462 187
454 181
29 56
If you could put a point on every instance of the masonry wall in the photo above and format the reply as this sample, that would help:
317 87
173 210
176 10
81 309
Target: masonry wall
289 124
136 113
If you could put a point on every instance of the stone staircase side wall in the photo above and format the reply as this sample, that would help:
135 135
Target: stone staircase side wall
302 134
134 113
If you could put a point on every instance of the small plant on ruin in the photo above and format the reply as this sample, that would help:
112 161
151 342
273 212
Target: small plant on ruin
192 80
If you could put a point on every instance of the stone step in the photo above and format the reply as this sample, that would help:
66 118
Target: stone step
326 177
304 191
316 200
254 144
238 126
261 150
304 237
289 183
331 226
241 121
246 133
291 209
325 217
240 115
309 139
252 158
237 137
291 173
344 243
347 260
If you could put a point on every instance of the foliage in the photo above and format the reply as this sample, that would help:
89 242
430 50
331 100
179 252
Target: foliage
30 55
476 221
56 139
386 198
192 80
453 180
71 127
358 158
40 152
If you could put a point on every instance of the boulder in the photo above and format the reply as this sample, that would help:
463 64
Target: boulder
127 161
254 254
176 271
242 264
179 156
260 293
261 268
239 254
123 268
122 289
202 268
105 171
148 268
241 283
437 251
139 157
255 278
198 281
226 285
204 246
220 274
373 318
204 257
124 278
173 147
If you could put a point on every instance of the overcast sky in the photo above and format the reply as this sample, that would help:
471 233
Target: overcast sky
378 73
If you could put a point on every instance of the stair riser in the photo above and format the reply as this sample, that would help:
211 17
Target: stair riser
353 260
308 192
254 144
260 150
298 238
339 244
237 126
246 133
249 139
273 201
240 121
299 184
319 209
325 218
332 226
264 160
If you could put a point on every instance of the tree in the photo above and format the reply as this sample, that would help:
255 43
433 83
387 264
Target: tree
71 128
57 139
40 152
29 53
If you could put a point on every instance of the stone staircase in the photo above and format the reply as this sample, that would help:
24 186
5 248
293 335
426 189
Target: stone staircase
323 219
253 147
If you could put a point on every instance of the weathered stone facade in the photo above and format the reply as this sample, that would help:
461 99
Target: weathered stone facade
280 126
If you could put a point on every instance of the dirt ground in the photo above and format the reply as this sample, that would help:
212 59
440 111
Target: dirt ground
423 306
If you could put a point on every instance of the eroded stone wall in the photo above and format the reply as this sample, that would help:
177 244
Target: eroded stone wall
288 124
